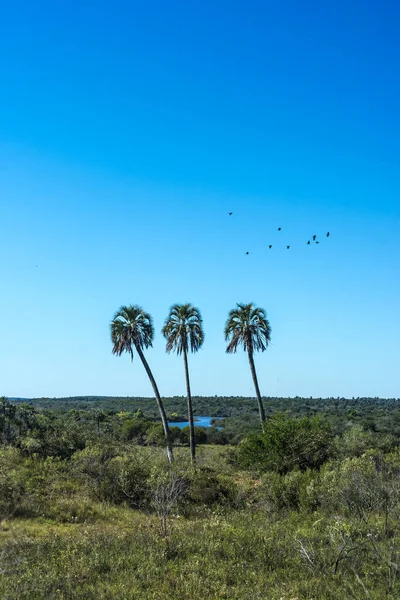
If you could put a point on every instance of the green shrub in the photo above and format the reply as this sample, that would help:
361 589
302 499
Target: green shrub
200 435
287 444
134 429
155 435
12 482
114 478
207 488
11 493
359 487
355 441
77 509
286 492
214 436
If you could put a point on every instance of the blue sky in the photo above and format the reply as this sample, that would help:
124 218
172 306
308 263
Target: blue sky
129 130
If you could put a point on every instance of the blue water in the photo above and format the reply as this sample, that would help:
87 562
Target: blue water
198 421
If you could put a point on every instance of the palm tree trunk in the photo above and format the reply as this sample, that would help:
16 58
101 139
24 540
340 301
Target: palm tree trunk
159 404
190 409
255 381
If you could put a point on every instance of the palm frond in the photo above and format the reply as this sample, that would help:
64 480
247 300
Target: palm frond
183 329
131 328
249 327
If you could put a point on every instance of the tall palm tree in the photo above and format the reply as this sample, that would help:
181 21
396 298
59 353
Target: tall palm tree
249 327
183 331
132 328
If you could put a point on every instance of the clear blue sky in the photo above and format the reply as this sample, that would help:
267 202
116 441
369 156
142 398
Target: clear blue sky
129 130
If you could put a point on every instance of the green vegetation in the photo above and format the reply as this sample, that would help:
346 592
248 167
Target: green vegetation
183 330
90 507
249 327
240 414
287 444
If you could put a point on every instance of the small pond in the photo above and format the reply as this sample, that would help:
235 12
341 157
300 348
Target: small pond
198 421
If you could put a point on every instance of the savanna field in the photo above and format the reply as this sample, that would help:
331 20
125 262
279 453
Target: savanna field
243 156
91 508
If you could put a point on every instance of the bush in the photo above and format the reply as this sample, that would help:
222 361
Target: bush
73 510
134 429
359 487
355 441
215 436
286 492
200 435
287 444
113 478
207 488
12 482
155 435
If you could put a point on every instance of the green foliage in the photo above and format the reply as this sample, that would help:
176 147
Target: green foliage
89 527
112 477
183 329
240 413
155 435
285 492
200 435
135 429
12 488
355 441
287 444
131 328
249 327
360 486
214 436
207 488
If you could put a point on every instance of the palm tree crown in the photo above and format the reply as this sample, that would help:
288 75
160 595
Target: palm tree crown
247 326
183 329
131 327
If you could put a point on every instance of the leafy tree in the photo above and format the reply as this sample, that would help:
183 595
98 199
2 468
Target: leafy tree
183 331
135 429
249 327
8 425
132 328
99 416
200 435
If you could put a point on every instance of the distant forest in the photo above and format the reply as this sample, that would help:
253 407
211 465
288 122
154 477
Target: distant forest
240 414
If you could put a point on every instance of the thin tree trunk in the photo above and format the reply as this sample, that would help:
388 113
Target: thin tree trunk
159 404
190 409
255 381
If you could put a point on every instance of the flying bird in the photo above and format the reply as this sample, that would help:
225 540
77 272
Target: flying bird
279 228
288 247
328 234
231 213
270 246
317 242
247 252
314 237
308 243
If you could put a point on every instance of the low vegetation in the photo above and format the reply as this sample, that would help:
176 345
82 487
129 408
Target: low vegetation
90 507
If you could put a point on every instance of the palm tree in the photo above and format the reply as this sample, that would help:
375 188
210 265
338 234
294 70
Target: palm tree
183 330
249 327
132 328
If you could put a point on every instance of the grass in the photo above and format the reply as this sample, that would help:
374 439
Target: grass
235 556
235 536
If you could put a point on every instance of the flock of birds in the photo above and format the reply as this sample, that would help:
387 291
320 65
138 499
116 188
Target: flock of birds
308 243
